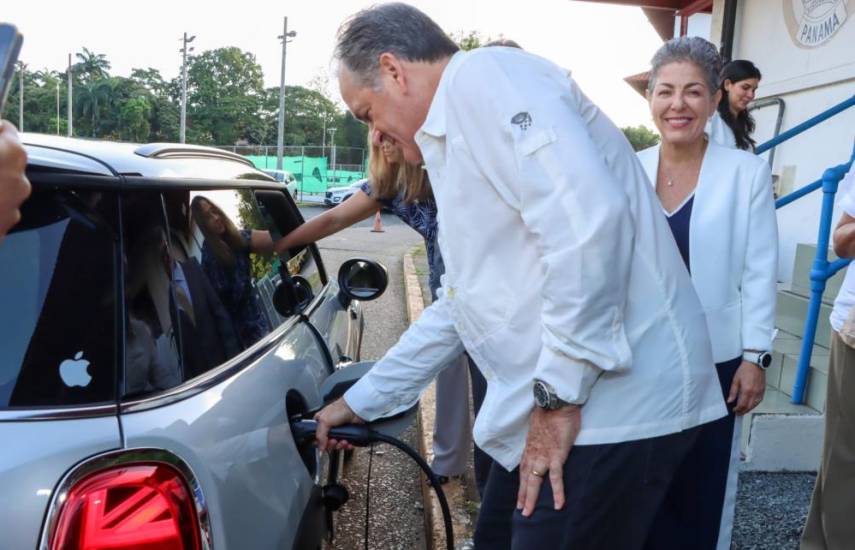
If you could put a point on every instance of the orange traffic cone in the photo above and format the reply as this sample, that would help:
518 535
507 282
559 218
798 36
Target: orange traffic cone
378 224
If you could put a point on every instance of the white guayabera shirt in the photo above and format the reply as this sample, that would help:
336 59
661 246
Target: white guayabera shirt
559 266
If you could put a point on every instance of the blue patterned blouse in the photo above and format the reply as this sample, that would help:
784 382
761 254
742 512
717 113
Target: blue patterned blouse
234 287
421 216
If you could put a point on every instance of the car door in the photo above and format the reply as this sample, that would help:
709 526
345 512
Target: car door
338 321
212 372
58 349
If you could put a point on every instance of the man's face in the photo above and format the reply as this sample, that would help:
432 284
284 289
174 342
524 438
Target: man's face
394 111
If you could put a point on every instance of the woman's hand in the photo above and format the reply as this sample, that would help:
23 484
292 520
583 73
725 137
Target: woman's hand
748 387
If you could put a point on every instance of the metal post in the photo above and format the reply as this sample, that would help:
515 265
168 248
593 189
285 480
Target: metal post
819 274
332 152
57 108
280 135
70 102
21 97
302 170
182 131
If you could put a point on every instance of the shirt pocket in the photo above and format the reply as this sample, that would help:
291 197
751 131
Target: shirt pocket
528 142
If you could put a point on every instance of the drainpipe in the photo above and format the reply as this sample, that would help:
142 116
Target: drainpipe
728 29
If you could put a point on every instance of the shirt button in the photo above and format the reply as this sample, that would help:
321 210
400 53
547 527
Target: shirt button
450 292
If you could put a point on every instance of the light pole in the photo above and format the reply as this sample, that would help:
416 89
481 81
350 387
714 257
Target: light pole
57 107
21 68
280 134
182 133
332 146
69 97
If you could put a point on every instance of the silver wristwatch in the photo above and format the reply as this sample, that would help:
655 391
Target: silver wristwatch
760 358
546 398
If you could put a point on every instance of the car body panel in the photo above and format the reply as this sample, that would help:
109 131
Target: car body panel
36 456
235 437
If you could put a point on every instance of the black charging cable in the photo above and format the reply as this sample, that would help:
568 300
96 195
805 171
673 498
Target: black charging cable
360 436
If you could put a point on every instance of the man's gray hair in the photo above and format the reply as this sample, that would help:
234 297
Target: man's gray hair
692 49
396 28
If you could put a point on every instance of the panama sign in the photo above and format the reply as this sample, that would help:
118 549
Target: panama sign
813 22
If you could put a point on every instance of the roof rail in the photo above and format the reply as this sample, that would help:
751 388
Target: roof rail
175 150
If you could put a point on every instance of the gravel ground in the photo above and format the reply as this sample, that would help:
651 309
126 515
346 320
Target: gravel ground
771 509
396 519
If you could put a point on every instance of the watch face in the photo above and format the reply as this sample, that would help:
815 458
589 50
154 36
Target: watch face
765 360
541 397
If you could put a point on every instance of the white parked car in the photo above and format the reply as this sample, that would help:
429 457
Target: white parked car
337 195
283 176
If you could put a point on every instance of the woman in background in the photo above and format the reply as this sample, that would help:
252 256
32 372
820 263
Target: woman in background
732 125
718 202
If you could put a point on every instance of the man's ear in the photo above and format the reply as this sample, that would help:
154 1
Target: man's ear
391 68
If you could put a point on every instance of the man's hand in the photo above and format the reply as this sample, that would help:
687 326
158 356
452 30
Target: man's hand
335 414
549 441
14 187
747 388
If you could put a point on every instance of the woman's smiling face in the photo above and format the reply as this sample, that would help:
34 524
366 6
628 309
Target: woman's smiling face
681 102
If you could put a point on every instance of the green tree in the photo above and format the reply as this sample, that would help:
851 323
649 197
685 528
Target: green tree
640 137
225 98
134 118
307 113
91 66
468 40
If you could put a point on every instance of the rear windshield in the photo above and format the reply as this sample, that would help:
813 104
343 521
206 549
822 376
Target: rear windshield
57 290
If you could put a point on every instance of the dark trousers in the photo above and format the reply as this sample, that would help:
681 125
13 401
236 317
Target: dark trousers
482 461
661 493
691 514
613 493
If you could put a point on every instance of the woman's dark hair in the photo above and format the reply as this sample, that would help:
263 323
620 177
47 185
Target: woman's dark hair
743 123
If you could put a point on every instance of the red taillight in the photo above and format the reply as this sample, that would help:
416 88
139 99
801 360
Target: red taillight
136 506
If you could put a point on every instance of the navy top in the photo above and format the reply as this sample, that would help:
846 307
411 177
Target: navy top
421 216
679 222
234 287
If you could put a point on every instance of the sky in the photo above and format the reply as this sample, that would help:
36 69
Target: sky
601 44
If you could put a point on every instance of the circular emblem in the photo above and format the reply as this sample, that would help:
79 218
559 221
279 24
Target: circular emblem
813 22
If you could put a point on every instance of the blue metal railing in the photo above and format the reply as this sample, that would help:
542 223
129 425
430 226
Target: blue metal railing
822 269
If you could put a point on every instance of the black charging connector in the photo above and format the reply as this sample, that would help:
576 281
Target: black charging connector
361 435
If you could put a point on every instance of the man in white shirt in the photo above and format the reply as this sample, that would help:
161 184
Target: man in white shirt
562 282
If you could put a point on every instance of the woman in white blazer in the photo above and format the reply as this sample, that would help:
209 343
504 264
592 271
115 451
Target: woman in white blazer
719 205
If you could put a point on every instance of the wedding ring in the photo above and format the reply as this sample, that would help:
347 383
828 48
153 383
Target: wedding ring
536 473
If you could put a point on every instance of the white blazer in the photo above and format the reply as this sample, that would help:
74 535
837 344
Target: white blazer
733 247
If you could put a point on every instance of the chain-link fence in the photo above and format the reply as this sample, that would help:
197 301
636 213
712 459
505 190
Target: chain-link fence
315 167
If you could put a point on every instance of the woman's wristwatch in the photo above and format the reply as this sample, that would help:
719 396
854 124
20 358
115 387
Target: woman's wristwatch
760 358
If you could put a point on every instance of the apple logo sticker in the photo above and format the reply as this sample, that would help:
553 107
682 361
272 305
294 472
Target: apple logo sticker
74 372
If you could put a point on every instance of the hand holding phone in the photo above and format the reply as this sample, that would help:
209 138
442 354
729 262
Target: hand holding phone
10 46
14 186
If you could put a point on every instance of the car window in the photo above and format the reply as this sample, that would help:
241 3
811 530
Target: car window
233 245
158 302
58 329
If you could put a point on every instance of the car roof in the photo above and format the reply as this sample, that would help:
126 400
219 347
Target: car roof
153 160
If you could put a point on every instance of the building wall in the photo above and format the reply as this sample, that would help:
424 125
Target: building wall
809 80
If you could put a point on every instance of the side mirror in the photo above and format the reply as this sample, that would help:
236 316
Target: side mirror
362 280
291 299
341 380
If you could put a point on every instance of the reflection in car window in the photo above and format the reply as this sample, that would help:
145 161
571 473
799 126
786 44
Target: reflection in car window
177 326
57 286
234 256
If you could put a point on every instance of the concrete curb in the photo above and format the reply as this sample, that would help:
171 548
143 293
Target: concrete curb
454 489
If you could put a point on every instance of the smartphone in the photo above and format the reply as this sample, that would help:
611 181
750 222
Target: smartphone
10 47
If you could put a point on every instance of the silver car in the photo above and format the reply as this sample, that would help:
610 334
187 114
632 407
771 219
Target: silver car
153 350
